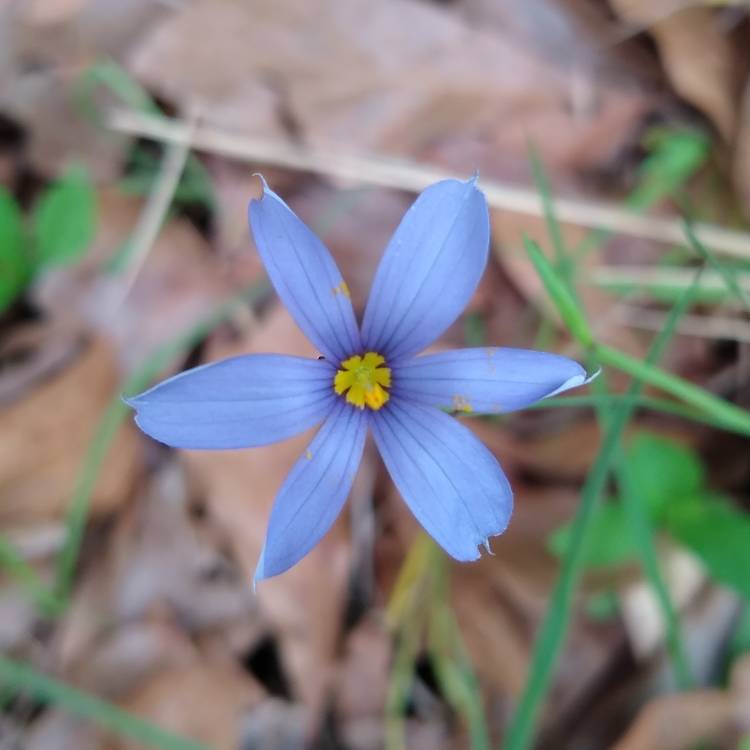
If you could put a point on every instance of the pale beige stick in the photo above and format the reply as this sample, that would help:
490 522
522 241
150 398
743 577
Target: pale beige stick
406 175
713 327
643 278
152 217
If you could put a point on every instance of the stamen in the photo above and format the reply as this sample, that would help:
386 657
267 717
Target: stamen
364 380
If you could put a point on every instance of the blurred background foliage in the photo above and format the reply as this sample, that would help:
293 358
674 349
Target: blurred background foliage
613 142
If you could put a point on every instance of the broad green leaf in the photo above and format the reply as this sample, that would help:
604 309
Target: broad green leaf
675 157
14 265
609 541
719 535
65 218
664 471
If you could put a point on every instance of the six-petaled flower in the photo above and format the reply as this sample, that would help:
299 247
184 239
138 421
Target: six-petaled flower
369 378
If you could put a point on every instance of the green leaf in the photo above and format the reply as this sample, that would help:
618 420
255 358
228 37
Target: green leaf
603 606
609 541
14 265
65 218
663 471
676 155
719 535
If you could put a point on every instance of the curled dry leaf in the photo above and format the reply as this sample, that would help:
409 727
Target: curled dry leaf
304 607
48 430
696 52
684 720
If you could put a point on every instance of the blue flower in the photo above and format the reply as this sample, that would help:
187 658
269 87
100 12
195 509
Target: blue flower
368 377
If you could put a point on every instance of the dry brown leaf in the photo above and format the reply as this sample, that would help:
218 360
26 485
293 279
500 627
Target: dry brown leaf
179 283
48 430
741 171
51 12
363 676
206 701
161 565
465 95
44 46
682 721
677 722
696 52
59 730
305 605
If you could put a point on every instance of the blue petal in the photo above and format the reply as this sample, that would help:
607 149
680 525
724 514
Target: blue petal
240 402
429 271
313 494
305 277
452 483
486 380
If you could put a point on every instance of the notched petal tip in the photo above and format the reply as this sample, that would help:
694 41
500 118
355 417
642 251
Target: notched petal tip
594 375
131 401
576 381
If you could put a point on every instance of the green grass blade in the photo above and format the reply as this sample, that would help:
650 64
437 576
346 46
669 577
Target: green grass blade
651 403
455 673
22 678
554 627
570 311
564 265
113 418
637 516
27 578
643 532
723 271
731 417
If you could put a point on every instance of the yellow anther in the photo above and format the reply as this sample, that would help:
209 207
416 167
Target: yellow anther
342 288
364 380
461 403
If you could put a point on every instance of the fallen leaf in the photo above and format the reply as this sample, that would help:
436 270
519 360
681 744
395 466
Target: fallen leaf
160 560
379 88
44 12
741 161
178 284
696 52
49 428
44 46
206 701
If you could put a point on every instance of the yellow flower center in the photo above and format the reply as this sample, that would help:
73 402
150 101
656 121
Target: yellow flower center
364 380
